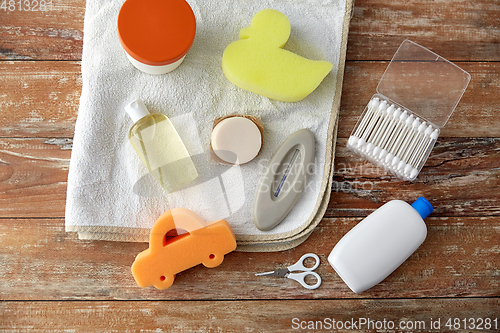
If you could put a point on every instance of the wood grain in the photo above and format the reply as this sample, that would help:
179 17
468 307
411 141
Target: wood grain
456 30
33 175
41 99
243 316
55 34
50 281
460 179
476 114
460 257
451 29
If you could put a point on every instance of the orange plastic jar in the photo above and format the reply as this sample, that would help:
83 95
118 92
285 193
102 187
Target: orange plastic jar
156 34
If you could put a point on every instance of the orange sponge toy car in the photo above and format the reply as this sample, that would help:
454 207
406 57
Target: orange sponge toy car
202 242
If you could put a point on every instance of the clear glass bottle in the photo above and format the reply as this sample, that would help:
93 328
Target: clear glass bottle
158 144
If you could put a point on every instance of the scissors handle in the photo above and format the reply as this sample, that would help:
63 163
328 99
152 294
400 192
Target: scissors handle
299 265
300 278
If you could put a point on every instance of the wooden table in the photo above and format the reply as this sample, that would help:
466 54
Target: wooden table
50 280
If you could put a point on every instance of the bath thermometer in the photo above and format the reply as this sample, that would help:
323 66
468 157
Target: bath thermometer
283 180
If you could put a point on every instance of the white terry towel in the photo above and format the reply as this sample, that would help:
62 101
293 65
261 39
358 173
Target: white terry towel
111 195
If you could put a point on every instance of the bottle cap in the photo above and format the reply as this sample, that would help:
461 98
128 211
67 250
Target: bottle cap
423 207
136 110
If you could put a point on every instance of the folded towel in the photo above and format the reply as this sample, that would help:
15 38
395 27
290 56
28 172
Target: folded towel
111 195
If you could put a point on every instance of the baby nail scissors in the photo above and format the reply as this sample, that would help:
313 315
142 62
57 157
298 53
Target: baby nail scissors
298 266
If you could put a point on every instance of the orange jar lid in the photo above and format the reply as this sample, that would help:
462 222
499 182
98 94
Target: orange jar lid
156 32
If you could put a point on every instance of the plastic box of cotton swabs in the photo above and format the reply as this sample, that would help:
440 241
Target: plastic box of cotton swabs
415 98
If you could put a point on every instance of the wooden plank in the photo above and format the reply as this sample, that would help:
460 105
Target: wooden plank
461 178
33 174
423 315
456 30
39 98
42 98
55 33
451 29
476 114
460 257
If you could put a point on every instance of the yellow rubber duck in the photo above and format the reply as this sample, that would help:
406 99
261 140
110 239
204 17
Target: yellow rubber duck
257 62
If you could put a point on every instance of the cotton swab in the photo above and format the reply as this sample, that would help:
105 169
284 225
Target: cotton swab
372 123
419 135
383 128
390 127
433 138
415 141
427 133
375 132
372 106
404 146
400 139
410 137
388 132
393 137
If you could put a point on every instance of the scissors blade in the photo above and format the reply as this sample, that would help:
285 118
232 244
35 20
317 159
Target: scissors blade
265 273
278 273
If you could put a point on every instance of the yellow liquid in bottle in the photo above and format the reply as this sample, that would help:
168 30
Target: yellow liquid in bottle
159 146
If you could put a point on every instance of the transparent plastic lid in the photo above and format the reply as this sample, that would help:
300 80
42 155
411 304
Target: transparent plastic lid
424 83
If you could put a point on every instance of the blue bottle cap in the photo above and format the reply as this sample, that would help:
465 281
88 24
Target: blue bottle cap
423 207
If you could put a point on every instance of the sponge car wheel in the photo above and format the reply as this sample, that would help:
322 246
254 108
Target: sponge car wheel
165 281
213 260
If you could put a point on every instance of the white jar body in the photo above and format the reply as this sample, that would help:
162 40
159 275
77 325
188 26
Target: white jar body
155 70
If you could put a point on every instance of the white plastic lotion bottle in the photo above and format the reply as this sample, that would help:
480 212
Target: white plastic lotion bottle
158 144
376 246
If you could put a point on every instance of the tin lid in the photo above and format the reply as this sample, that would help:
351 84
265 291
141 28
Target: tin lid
156 32
424 83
